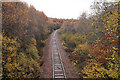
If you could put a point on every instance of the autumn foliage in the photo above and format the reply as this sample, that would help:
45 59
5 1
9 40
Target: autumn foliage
90 42
25 31
93 43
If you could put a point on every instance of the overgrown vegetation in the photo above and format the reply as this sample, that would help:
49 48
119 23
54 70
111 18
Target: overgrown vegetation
25 31
92 43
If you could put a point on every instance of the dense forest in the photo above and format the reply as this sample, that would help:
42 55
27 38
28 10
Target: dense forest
92 42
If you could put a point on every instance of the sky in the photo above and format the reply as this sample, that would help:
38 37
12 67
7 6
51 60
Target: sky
67 9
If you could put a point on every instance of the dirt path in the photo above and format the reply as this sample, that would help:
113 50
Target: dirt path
47 66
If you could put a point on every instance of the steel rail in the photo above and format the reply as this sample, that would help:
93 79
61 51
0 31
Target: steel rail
61 76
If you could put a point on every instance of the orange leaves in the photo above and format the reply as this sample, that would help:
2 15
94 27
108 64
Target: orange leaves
21 55
10 5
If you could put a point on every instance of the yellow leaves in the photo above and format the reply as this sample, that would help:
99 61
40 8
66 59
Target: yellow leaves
10 49
107 29
75 54
108 32
13 54
31 68
113 73
43 41
10 46
83 46
0 39
33 41
113 40
25 75
9 59
74 63
9 66
16 65
28 63
115 48
94 70
20 56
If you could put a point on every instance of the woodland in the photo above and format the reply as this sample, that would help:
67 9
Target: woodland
24 34
92 43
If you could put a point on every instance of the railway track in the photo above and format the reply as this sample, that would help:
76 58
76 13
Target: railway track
57 64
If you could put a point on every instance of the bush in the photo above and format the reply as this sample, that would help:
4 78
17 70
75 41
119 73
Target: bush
81 55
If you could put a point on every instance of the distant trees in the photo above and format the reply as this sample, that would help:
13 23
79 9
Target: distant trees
55 23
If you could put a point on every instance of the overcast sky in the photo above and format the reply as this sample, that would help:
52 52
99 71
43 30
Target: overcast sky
62 8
